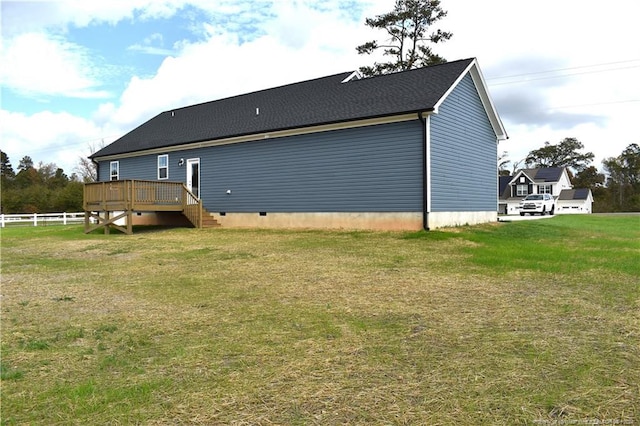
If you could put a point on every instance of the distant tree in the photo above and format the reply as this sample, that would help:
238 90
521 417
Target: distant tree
58 180
623 180
25 163
27 175
7 177
6 171
590 178
86 168
565 154
503 163
68 198
407 27
47 171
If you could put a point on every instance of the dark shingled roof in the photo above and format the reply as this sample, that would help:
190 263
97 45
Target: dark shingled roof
503 186
574 194
549 174
543 174
309 103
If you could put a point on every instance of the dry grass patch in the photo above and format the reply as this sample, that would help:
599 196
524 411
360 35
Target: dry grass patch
265 327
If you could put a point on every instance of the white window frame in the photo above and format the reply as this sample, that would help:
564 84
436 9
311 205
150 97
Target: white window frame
114 166
519 192
545 189
166 166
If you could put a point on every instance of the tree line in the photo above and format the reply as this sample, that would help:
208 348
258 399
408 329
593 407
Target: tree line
41 188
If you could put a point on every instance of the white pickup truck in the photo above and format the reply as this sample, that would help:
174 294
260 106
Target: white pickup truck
538 203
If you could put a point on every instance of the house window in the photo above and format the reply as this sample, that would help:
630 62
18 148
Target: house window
114 170
544 189
163 166
522 190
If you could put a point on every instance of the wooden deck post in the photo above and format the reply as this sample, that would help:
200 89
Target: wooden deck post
129 222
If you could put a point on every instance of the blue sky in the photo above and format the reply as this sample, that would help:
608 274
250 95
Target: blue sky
76 73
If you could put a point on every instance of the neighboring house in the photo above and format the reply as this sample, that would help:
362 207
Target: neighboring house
410 150
548 180
575 201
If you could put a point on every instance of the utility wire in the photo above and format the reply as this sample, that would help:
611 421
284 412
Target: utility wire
566 69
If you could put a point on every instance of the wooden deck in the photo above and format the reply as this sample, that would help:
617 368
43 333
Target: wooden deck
108 202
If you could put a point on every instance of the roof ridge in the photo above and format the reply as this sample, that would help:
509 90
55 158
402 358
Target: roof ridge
344 73
259 91
417 69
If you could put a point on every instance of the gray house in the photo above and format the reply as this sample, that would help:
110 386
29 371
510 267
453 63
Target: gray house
410 150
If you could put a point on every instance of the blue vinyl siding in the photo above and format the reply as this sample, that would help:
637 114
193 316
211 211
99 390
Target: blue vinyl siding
143 168
367 169
463 154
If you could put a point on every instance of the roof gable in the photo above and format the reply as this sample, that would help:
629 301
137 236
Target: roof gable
516 178
481 86
333 99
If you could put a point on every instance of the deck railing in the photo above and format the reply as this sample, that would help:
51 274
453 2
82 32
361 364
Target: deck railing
134 195
142 196
193 209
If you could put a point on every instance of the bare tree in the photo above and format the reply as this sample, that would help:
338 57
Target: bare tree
86 168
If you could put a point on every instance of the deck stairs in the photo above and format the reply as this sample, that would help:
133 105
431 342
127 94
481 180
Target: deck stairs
208 221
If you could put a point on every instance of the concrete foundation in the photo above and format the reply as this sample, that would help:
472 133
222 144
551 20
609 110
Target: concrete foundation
443 219
366 221
380 221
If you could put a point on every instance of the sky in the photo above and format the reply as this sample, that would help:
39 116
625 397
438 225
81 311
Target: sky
76 74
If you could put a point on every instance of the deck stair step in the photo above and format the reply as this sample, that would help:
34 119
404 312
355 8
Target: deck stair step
208 221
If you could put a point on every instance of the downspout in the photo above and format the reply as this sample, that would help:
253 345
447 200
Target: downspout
425 192
97 169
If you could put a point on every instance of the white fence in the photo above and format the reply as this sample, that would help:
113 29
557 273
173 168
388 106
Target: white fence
41 219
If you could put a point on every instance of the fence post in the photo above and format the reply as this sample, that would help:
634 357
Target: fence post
2 219
35 219
64 218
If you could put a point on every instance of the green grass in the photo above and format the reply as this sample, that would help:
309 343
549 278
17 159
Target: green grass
531 322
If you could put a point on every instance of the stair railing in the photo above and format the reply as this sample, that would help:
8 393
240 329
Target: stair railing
192 207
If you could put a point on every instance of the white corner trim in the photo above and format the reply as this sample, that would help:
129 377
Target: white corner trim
428 161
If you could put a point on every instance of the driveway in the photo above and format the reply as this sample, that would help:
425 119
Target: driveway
517 218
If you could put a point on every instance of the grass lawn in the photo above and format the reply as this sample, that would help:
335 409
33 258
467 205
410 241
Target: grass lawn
534 322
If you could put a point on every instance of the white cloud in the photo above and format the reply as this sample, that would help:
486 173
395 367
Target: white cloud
58 138
37 64
152 45
223 65
58 15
